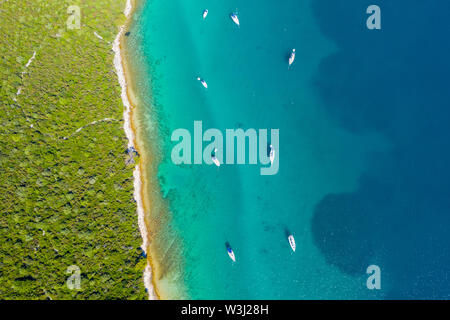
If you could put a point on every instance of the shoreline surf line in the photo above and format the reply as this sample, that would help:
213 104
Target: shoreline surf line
130 133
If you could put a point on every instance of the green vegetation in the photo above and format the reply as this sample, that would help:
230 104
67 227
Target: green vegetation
63 201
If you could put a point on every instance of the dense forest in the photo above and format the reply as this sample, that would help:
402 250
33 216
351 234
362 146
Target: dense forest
66 185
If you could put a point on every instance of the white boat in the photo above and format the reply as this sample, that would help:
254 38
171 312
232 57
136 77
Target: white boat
231 254
214 159
235 18
272 154
292 57
292 242
203 82
205 13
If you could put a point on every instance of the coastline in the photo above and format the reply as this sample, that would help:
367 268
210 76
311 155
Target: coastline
82 212
130 131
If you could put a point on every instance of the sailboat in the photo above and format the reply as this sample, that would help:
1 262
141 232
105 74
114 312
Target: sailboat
214 158
292 242
272 154
203 82
292 57
235 18
230 252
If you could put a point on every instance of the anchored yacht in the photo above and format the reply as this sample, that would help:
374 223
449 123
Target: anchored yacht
235 18
231 254
292 242
214 158
272 154
203 82
292 57
205 13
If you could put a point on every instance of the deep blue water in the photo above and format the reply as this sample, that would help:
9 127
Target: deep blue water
364 129
395 82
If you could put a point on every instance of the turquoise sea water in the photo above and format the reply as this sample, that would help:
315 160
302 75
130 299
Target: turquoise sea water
330 191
